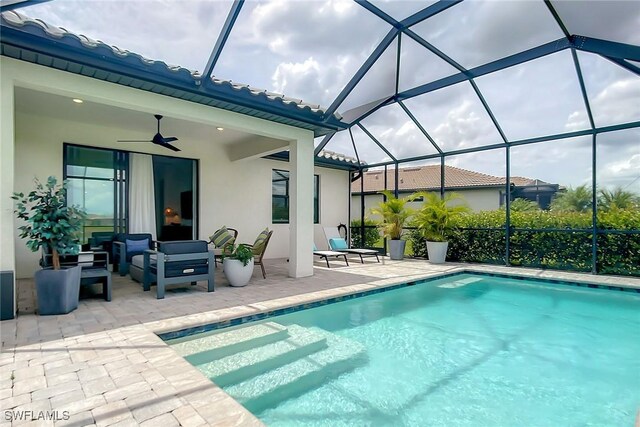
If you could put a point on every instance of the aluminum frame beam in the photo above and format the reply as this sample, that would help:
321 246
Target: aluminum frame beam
378 51
234 12
596 131
7 5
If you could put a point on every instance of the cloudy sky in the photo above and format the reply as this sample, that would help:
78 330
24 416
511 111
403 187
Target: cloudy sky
311 49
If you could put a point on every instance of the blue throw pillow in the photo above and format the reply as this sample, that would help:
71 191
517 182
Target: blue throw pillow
338 244
137 245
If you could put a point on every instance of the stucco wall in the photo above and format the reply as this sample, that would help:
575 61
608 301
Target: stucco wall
237 194
478 200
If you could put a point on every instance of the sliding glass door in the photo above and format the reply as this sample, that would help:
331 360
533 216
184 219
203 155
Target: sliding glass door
175 185
97 182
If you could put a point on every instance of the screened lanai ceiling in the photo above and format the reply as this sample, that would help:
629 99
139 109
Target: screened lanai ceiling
389 81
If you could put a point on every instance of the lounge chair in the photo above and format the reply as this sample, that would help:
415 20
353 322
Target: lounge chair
326 254
338 244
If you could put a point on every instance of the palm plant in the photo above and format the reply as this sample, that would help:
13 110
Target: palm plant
394 213
523 205
618 199
436 216
577 199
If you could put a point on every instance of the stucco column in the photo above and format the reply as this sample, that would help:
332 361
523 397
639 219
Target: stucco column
7 225
301 207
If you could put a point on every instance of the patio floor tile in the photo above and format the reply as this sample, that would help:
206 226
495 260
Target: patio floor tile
105 364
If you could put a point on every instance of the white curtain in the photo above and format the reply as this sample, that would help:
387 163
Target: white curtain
142 200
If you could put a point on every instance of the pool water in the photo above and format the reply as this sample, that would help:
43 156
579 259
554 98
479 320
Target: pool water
467 351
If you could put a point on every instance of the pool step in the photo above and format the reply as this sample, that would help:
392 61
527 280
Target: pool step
249 363
460 283
290 380
217 345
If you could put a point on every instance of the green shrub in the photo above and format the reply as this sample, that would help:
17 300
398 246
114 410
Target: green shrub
480 237
418 243
371 233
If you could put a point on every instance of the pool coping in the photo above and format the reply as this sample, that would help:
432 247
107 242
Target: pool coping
236 413
308 303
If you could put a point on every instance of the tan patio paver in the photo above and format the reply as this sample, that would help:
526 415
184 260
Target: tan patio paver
104 363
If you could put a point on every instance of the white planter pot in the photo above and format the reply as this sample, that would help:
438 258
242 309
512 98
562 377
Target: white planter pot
237 274
437 251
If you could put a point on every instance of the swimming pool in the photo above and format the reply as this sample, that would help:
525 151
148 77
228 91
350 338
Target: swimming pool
462 350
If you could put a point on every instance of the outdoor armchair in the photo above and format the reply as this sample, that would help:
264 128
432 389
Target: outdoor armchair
126 246
180 261
259 247
223 240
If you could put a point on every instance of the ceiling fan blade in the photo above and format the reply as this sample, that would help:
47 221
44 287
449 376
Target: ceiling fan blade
157 139
171 147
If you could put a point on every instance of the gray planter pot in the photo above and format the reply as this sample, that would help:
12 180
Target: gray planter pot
437 251
396 249
58 290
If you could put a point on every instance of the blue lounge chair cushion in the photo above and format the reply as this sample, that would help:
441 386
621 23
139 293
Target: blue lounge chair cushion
338 244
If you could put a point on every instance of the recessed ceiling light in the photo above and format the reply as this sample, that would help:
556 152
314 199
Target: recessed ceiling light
78 100
220 129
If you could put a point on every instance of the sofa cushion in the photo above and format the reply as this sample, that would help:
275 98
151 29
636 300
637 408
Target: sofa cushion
183 247
138 261
138 246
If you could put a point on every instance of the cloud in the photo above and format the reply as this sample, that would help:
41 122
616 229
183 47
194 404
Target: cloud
477 32
610 19
279 37
164 30
535 98
623 173
311 49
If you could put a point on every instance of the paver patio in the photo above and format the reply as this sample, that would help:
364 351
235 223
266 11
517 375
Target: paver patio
104 364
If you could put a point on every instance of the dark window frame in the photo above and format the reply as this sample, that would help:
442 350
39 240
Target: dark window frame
285 197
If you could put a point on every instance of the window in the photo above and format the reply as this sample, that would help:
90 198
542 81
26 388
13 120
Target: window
280 197
96 182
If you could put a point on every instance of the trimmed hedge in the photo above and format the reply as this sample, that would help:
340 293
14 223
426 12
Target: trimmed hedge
371 233
566 250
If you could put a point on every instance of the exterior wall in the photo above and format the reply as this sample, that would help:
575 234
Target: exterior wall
484 199
236 194
334 202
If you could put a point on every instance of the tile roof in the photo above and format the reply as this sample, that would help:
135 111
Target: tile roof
13 19
338 156
428 178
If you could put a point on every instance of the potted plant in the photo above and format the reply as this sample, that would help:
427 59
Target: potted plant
54 227
434 219
238 265
394 214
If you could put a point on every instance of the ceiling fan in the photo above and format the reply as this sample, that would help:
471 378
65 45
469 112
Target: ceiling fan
157 139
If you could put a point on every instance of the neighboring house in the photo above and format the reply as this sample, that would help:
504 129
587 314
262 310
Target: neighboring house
246 156
482 192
